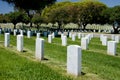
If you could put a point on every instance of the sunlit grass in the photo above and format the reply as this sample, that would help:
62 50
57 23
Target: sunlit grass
96 64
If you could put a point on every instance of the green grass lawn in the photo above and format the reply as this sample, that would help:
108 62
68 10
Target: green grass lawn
15 67
96 64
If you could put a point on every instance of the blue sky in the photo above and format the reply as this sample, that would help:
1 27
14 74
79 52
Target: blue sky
6 8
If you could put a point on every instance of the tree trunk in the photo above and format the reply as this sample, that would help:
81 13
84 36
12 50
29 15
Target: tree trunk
84 26
79 25
59 26
116 31
37 27
30 16
14 26
30 24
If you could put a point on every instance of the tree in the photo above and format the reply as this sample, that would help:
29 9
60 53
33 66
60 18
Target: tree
30 6
4 18
38 19
57 13
115 18
1 18
112 16
106 15
90 12
82 13
16 17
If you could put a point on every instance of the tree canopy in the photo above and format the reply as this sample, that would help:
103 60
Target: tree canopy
30 5
16 17
57 13
82 13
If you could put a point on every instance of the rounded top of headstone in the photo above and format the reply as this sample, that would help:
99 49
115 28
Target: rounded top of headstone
20 35
74 46
7 33
40 39
112 41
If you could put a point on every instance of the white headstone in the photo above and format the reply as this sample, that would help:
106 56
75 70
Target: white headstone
75 33
20 43
0 31
21 32
83 35
15 32
39 50
38 35
70 34
104 41
101 37
84 43
99 31
117 39
7 39
92 35
66 33
88 37
73 37
74 60
28 34
111 47
64 40
49 38
62 36
113 37
53 35
79 35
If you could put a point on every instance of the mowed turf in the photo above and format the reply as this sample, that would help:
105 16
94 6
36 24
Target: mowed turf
96 64
15 67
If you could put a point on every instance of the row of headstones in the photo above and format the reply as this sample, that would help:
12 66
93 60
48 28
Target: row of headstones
85 39
19 31
16 31
45 33
111 45
19 41
29 33
73 60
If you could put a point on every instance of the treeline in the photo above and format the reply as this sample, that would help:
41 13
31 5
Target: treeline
81 13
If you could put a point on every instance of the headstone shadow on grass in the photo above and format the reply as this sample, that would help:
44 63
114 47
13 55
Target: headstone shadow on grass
117 54
46 59
24 50
82 73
